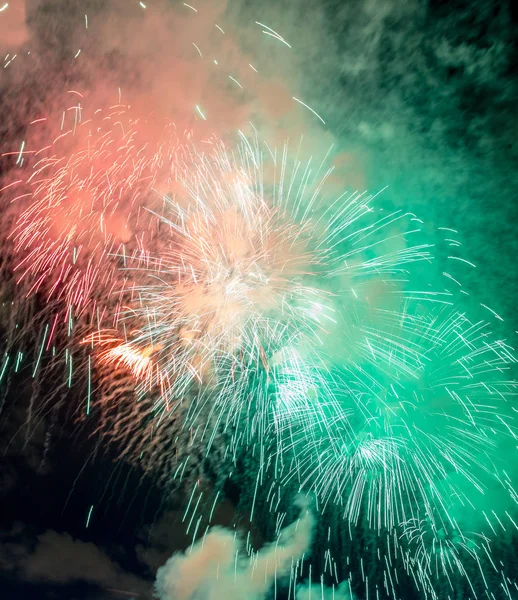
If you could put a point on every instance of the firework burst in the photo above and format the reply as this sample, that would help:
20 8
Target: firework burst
235 321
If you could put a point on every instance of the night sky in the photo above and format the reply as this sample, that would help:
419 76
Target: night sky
422 94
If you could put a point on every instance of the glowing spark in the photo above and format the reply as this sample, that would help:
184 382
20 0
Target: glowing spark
19 359
89 516
200 113
70 370
235 81
309 108
21 153
463 260
37 363
89 390
4 7
273 33
213 506
4 366
492 311
10 184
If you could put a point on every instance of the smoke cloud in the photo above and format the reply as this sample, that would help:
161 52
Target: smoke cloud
205 67
13 26
218 568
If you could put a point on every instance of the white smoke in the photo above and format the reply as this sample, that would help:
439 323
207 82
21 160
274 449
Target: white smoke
218 567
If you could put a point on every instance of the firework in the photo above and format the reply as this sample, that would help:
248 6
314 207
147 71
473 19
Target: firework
235 321
246 281
263 323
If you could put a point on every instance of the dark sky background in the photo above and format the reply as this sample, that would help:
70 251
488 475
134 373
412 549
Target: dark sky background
426 93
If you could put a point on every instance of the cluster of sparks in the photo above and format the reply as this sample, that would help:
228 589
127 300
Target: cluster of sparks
83 199
252 314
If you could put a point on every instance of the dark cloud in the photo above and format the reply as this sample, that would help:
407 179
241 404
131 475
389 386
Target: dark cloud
58 558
